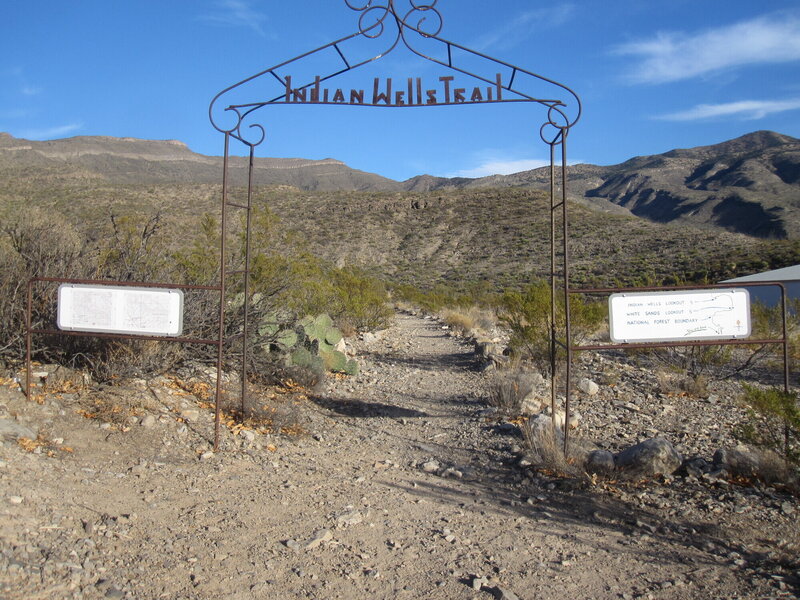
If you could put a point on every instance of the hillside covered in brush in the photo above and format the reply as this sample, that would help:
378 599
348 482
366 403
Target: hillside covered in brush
705 213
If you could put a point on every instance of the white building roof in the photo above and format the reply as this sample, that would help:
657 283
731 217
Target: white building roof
785 274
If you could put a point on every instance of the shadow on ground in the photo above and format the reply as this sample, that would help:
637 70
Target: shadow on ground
576 504
350 407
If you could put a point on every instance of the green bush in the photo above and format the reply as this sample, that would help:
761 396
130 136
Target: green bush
773 421
527 314
361 300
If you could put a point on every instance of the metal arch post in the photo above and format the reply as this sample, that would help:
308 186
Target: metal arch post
221 325
375 19
28 343
786 430
246 276
785 326
553 314
567 312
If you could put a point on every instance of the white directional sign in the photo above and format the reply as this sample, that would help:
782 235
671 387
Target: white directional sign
676 316
116 309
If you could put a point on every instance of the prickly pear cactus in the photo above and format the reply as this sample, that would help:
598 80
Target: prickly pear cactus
351 368
324 337
302 357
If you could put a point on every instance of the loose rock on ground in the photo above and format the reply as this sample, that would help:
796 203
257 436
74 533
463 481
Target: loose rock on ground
403 487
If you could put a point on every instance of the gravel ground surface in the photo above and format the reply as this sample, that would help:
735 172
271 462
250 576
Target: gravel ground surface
404 486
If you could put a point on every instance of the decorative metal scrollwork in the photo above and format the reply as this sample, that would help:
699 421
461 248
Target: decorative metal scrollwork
418 24
380 12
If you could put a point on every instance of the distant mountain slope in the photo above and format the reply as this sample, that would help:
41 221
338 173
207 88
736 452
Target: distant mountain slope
748 185
129 160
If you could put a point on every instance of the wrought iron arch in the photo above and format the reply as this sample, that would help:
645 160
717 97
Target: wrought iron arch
382 25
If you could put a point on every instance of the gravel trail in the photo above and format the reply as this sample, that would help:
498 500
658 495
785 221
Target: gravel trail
405 487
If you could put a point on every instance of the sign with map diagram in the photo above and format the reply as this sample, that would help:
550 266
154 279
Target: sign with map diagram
122 310
679 316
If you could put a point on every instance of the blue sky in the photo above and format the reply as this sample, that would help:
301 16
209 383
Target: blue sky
652 76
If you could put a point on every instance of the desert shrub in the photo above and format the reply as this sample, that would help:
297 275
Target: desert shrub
767 323
283 269
198 263
286 283
773 421
36 244
362 301
694 366
134 249
428 300
527 314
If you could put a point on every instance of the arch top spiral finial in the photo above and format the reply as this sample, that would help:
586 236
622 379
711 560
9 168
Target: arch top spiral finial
422 16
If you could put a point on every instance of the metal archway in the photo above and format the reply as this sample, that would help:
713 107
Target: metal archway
383 27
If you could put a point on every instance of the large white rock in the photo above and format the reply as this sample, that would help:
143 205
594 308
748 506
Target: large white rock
588 387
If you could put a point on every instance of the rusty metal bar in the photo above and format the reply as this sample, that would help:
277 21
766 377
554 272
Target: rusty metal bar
146 284
567 313
639 345
280 79
102 335
28 318
247 276
553 313
341 54
221 325
785 340
786 429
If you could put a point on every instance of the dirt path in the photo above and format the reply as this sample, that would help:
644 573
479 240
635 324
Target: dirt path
405 489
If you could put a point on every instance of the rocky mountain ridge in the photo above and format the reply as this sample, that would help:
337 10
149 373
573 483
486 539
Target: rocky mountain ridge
748 185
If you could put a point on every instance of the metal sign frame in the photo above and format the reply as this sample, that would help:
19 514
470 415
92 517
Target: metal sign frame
30 330
383 27
93 308
783 341
673 316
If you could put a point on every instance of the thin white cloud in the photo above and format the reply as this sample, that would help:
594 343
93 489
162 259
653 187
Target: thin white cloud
745 109
521 27
237 13
51 133
773 38
501 167
29 90
16 113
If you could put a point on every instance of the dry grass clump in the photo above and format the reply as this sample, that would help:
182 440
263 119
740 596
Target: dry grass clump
683 385
546 445
509 389
470 321
110 407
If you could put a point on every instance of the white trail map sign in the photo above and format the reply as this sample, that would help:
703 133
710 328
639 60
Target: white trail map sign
679 316
123 310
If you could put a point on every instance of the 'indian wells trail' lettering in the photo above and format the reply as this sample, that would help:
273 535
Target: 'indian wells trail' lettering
385 94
